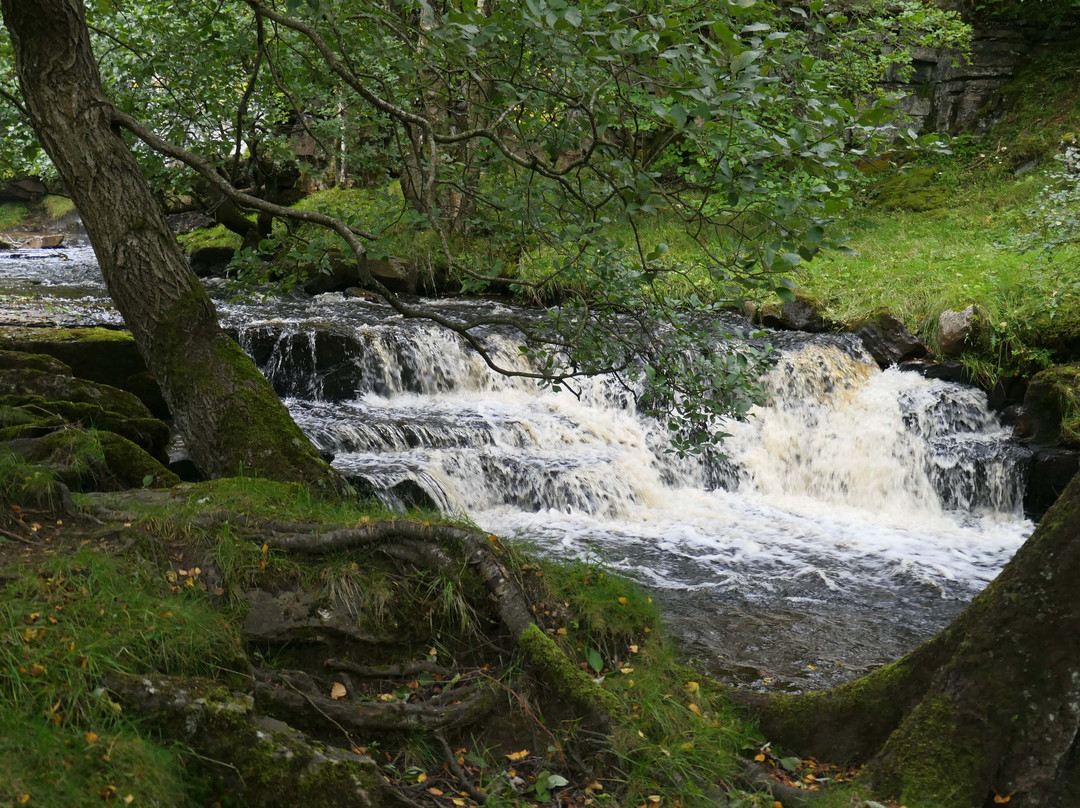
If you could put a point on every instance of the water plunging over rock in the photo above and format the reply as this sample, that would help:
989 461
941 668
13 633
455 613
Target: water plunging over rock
853 515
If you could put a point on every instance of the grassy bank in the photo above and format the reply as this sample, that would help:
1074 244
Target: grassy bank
154 587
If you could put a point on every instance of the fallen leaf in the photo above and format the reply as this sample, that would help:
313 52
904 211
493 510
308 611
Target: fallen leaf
22 799
337 691
420 778
593 787
691 687
560 631
622 601
759 757
627 669
697 711
458 801
91 737
633 649
514 757
1001 800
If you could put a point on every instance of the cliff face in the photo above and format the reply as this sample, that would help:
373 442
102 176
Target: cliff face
947 93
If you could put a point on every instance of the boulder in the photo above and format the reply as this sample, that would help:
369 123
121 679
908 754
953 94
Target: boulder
97 461
957 330
1051 411
23 382
1050 471
24 189
15 360
99 354
211 262
804 313
397 275
888 339
49 241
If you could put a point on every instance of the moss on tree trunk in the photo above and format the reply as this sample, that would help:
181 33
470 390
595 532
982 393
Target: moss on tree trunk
229 415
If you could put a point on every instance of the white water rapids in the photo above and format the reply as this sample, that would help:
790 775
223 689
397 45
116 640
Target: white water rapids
854 515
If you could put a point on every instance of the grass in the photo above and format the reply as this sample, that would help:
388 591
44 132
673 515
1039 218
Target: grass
68 622
13 215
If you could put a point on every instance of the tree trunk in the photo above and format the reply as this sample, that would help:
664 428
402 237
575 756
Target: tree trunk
228 414
985 713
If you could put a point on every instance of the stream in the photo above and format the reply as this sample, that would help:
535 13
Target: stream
853 516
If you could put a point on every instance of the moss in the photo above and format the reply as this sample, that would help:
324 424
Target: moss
98 354
21 385
217 236
926 764
1052 403
13 216
56 207
571 683
912 191
13 360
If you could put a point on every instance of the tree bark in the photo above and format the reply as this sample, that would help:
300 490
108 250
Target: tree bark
985 713
228 414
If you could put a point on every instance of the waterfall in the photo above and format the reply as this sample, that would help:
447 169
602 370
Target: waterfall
852 515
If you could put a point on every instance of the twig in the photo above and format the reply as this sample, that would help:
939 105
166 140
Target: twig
474 792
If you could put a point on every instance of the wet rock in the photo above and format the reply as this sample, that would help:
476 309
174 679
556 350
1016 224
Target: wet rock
288 616
957 330
211 262
946 371
801 314
1050 415
888 339
1050 471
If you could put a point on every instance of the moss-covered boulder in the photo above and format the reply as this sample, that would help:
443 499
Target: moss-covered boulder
1051 411
804 313
98 354
93 460
913 190
24 382
17 360
148 433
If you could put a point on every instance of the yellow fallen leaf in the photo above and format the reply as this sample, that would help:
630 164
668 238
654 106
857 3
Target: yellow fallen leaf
514 757
622 601
1001 800
655 799
420 778
697 711
36 669
692 687
130 798
627 669
759 757
458 801
560 631
91 737
22 799
337 691
778 804
435 792
633 649
593 787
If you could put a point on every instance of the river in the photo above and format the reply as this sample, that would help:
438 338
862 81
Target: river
853 516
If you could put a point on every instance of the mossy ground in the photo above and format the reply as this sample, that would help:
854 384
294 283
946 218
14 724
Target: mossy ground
82 599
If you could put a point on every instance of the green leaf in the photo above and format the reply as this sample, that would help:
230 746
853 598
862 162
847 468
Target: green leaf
743 60
790 763
148 480
596 662
556 781
573 16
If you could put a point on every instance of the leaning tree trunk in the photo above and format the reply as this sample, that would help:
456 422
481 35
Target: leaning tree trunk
987 712
227 412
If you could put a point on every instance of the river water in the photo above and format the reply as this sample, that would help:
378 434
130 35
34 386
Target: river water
853 516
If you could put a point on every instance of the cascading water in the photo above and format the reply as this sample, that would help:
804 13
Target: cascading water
854 514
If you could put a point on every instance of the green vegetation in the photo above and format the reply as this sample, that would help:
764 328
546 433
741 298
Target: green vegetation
13 215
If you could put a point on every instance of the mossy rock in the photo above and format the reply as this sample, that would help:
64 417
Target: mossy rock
98 354
149 434
914 191
1051 414
23 384
92 460
17 360
27 422
1058 332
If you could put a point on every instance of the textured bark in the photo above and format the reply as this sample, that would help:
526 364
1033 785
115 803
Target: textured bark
990 708
229 415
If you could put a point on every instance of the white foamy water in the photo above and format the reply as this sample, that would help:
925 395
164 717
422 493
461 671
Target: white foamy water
858 506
